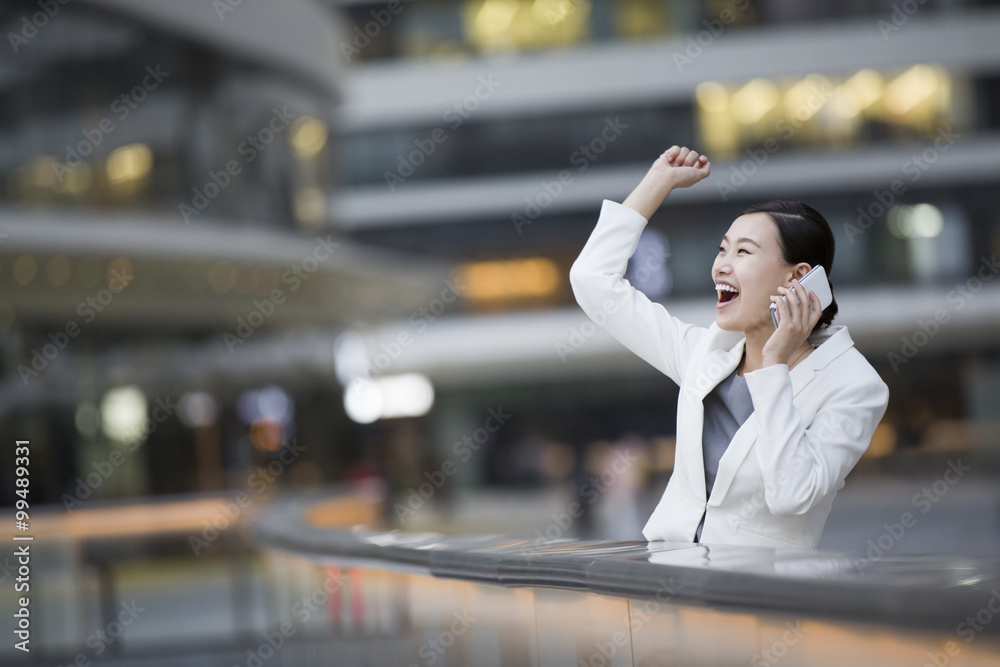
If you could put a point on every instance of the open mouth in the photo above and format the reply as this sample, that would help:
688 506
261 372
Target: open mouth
726 296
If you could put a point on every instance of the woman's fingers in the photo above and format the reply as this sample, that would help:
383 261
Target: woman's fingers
802 303
787 305
801 306
691 158
795 300
815 312
682 156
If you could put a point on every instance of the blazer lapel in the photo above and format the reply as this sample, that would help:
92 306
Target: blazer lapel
834 343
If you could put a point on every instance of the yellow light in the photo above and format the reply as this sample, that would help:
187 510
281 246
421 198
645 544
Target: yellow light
495 16
308 136
119 273
846 103
40 173
712 97
910 89
858 93
528 24
641 18
752 101
128 163
309 205
867 85
507 279
806 97
550 13
883 441
76 179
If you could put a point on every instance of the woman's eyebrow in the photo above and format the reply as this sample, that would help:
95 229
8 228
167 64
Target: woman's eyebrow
726 238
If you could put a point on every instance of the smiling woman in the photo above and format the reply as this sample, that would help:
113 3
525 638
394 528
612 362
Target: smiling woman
769 247
799 395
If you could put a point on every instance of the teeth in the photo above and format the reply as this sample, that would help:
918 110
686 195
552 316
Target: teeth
726 288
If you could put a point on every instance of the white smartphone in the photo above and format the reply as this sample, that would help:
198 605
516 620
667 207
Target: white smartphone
814 281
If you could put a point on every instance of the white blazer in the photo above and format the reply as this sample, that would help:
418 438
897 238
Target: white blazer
777 479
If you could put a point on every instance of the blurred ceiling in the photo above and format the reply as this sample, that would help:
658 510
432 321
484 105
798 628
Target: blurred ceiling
294 35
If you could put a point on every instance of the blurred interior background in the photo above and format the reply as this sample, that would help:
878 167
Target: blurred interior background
322 246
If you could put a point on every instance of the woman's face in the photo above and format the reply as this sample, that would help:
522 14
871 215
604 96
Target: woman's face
749 260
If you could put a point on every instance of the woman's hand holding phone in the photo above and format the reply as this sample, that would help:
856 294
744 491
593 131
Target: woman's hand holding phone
799 313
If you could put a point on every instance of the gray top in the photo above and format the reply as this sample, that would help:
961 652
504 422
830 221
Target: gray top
726 408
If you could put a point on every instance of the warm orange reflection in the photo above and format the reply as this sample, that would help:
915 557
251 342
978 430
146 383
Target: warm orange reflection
508 279
346 512
165 517
190 516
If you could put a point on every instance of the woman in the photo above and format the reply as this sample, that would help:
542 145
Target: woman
769 421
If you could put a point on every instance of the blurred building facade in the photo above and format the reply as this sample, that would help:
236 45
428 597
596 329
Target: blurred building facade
168 283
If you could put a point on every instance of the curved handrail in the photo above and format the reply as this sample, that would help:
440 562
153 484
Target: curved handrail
907 591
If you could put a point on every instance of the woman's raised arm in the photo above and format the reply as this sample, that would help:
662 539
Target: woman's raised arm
597 275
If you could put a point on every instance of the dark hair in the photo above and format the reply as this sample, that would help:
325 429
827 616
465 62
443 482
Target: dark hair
804 236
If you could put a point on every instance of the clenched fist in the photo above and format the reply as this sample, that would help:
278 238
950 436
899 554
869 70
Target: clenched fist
677 167
681 166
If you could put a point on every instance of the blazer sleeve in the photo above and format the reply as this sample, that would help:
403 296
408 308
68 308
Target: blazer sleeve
644 327
802 466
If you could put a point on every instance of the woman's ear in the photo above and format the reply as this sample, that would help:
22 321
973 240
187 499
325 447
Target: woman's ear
801 269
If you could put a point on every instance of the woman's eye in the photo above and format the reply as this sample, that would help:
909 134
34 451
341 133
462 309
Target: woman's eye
742 250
